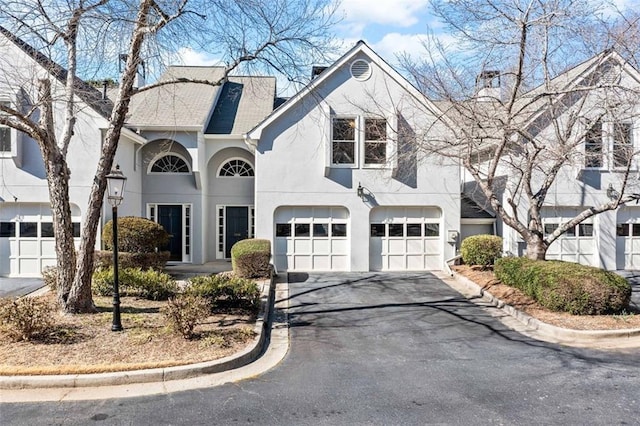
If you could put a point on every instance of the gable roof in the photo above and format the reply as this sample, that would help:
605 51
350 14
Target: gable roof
179 105
243 102
89 94
360 47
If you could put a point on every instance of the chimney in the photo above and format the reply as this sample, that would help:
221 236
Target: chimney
488 85
105 85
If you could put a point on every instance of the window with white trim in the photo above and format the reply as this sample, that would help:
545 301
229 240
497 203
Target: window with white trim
170 163
5 133
236 168
343 145
593 146
359 141
622 145
375 141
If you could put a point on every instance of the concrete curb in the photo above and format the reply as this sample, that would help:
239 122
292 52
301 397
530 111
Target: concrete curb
557 334
248 355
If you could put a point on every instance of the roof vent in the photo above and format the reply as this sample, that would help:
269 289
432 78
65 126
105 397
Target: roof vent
360 70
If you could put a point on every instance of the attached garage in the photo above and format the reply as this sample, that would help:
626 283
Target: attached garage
312 239
405 238
27 243
628 238
578 244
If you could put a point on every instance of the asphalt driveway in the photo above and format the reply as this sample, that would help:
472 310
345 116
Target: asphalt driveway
17 287
390 349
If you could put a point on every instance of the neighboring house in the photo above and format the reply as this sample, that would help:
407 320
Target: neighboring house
26 228
182 151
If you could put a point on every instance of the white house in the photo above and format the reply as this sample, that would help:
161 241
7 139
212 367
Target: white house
340 182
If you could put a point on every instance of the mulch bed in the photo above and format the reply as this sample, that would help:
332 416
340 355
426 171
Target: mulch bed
84 343
514 297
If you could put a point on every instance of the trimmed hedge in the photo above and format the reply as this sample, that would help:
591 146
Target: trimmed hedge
250 258
231 290
136 235
149 284
566 287
154 260
481 249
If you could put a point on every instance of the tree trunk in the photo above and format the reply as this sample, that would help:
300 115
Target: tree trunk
536 247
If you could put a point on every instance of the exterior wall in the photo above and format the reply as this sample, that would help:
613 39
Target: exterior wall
225 191
290 162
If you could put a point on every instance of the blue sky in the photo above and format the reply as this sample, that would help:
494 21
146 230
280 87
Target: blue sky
388 26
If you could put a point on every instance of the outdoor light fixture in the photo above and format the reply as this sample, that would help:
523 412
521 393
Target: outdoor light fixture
115 184
612 193
360 191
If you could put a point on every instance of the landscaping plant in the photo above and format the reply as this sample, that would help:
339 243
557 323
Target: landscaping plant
481 250
251 258
565 286
26 318
184 312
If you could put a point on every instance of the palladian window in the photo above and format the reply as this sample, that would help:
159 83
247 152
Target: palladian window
170 164
236 168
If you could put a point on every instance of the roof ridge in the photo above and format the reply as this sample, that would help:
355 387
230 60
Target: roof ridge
86 92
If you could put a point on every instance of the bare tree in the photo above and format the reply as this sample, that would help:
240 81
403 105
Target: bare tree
280 35
525 90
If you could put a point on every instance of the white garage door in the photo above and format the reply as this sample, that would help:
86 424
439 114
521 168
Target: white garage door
628 238
578 244
405 238
312 239
26 239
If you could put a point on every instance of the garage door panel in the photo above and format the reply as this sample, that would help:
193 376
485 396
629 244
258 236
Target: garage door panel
415 262
302 246
340 246
396 263
29 248
321 263
302 263
415 247
431 246
321 247
395 246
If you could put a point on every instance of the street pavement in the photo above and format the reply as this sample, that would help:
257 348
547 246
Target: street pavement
389 349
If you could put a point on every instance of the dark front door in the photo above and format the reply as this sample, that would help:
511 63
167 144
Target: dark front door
236 228
170 217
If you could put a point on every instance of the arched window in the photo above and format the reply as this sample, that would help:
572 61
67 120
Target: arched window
236 168
169 163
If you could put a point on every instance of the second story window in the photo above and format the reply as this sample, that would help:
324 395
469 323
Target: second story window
622 145
170 164
343 145
375 141
5 133
593 146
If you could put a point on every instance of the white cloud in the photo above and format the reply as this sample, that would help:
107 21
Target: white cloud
400 13
393 43
188 56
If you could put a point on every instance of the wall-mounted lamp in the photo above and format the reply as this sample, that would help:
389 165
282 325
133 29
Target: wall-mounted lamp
360 191
612 193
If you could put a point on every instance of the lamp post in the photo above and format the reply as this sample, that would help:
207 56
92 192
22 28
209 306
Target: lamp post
115 184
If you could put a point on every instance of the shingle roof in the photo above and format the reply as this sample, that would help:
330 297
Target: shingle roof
469 209
86 92
243 103
179 104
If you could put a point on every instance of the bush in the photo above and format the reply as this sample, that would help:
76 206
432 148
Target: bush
50 277
154 260
481 249
149 284
235 291
566 287
184 312
136 235
250 258
26 318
